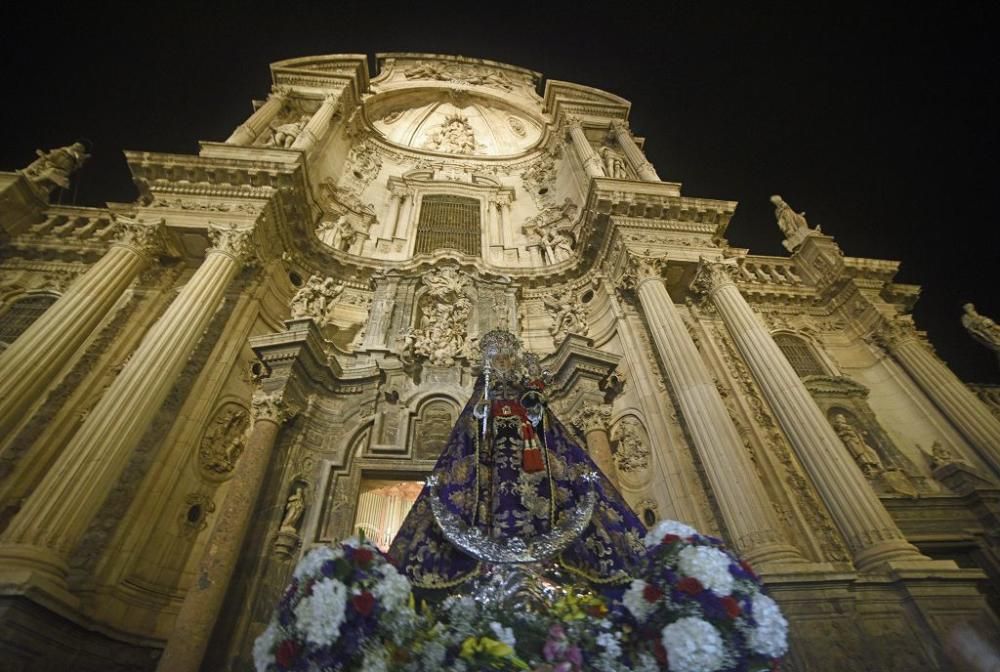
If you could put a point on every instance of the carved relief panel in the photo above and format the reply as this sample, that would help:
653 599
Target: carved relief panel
223 442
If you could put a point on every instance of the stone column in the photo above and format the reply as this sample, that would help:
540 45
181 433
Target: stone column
248 131
871 534
406 210
196 619
396 195
504 219
588 157
960 405
318 124
55 516
593 420
28 366
643 168
493 215
745 505
380 314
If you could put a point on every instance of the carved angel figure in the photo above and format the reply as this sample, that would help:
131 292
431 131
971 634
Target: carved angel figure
285 134
52 169
315 299
569 315
981 328
863 454
455 136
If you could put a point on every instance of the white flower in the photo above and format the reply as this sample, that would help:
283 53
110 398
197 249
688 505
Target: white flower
693 645
609 642
263 646
635 601
374 661
314 559
505 635
770 637
318 616
393 591
664 527
708 565
646 663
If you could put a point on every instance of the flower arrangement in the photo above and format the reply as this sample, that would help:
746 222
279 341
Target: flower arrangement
699 608
347 608
695 607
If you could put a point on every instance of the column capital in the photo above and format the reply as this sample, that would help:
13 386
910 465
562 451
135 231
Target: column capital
572 121
620 126
639 269
281 91
144 238
399 190
714 274
891 333
592 417
232 240
270 406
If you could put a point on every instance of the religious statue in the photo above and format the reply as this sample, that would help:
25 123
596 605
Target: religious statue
442 335
614 163
863 454
512 486
981 328
284 135
315 299
454 136
294 508
789 221
337 234
569 315
556 245
52 169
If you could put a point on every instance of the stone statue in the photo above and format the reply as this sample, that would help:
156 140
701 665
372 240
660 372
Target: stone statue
294 508
337 234
569 315
981 328
556 245
631 453
455 136
941 456
285 134
863 454
790 222
52 169
315 299
442 335
614 163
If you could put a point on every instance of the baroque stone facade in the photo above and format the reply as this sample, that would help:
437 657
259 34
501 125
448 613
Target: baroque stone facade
203 384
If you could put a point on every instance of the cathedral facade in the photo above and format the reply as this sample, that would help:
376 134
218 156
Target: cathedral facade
267 350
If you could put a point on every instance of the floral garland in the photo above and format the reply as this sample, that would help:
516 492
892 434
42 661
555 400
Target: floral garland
696 608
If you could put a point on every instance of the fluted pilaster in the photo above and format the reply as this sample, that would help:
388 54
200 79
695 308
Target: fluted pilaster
53 519
870 533
318 124
593 420
642 167
248 131
588 157
197 616
964 410
744 503
29 364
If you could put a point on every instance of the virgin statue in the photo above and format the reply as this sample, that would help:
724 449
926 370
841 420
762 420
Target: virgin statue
512 486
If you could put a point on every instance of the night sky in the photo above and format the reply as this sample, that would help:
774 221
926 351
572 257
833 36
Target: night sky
881 126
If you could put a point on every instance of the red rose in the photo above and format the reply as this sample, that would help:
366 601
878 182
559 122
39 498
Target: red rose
651 593
690 585
287 652
363 556
732 606
363 603
660 652
670 538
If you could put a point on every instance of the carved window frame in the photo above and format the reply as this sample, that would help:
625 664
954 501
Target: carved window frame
807 350
10 305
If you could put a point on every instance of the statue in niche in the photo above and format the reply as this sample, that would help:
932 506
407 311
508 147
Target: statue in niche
315 299
631 453
866 457
52 169
295 506
614 163
222 444
569 315
442 335
981 328
284 135
941 456
556 245
790 222
454 136
337 234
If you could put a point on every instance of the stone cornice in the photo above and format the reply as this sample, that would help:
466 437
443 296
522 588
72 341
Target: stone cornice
577 358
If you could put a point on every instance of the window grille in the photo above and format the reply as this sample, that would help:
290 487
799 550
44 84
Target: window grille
448 222
800 355
22 312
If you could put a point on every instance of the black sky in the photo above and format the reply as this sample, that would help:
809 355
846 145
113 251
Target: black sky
880 124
